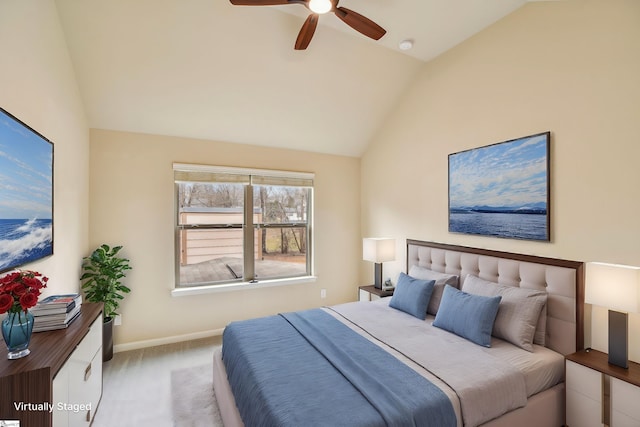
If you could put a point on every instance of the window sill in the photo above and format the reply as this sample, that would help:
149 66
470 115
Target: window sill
210 289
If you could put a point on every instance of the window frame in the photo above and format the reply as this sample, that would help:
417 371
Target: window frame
250 178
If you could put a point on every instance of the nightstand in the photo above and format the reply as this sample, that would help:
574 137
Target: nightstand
371 293
599 393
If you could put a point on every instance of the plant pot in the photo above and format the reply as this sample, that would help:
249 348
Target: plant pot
107 339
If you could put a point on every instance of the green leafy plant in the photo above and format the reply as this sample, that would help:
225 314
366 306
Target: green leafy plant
102 273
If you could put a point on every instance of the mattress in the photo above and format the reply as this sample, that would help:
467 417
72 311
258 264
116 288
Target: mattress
405 338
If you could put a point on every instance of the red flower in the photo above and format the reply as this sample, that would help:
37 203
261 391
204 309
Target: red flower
20 290
28 300
6 302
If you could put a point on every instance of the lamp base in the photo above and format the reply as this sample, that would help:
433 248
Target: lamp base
618 341
377 275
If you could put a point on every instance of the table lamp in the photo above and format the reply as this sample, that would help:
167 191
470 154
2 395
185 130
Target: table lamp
616 287
378 250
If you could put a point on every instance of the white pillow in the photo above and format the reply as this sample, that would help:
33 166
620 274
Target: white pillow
540 336
519 311
441 279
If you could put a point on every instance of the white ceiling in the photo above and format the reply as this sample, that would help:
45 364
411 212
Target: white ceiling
434 25
208 69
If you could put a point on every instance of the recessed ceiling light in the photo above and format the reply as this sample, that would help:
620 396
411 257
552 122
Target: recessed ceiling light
405 44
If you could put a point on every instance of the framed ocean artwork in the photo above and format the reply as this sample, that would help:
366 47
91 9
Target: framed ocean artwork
26 193
502 190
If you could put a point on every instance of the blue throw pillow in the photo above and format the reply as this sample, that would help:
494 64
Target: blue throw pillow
469 316
412 295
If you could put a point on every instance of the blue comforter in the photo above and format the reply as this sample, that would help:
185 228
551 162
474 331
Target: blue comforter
308 369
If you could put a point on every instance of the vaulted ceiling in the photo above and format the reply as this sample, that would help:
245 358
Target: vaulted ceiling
208 69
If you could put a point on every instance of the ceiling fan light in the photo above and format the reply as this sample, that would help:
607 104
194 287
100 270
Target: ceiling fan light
320 6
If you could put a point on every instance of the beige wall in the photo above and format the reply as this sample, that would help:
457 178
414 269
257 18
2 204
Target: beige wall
37 85
569 67
132 205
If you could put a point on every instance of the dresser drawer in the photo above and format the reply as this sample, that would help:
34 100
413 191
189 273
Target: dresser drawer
584 381
90 343
85 377
582 411
584 396
625 403
85 389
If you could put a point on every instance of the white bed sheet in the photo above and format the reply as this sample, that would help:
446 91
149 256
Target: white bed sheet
542 369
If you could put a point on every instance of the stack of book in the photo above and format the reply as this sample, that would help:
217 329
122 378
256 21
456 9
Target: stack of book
56 312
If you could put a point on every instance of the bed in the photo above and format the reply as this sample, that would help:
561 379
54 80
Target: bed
380 363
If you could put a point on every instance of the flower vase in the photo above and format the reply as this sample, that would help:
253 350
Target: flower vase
16 331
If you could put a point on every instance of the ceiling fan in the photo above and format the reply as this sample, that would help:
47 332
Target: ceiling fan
317 8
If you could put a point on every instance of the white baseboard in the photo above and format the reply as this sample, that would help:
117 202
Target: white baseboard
166 340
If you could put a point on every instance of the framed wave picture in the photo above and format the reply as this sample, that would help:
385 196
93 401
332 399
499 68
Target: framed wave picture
502 190
26 193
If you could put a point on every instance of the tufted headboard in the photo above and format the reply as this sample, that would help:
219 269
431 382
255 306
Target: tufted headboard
563 281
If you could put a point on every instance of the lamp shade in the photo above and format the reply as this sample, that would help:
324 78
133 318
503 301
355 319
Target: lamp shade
377 249
614 286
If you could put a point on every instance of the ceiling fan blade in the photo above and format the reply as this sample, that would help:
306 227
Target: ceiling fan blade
259 2
359 23
306 32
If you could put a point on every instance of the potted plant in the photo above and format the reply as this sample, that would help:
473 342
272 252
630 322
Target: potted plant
102 274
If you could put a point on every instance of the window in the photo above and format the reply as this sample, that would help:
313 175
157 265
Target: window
241 225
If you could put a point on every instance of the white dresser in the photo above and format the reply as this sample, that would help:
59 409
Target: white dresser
64 369
77 387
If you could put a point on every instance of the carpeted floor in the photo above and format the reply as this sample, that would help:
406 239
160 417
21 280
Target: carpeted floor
193 401
163 386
